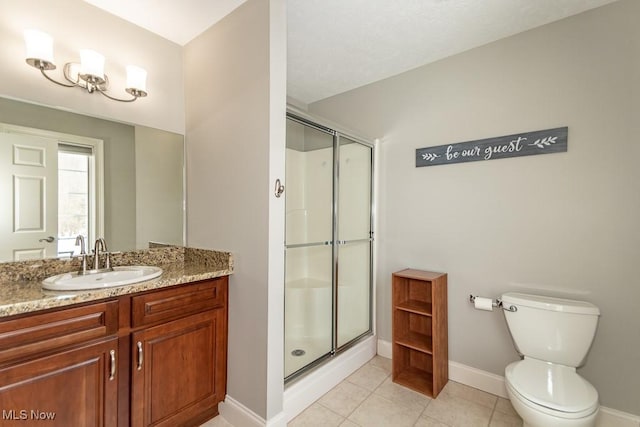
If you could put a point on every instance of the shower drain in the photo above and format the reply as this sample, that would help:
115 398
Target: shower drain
298 352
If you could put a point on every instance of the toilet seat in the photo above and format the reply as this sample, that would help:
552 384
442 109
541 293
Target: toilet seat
554 389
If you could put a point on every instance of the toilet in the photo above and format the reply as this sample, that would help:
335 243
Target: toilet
554 336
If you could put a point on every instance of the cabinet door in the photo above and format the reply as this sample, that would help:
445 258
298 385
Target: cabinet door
179 370
77 387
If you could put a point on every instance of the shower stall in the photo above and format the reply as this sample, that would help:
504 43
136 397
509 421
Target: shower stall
328 243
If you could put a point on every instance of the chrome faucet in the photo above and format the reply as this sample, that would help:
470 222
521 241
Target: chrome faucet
83 253
99 245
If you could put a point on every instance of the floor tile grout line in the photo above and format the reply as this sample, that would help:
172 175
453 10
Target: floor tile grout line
493 412
354 409
371 393
330 410
493 406
397 403
375 391
359 404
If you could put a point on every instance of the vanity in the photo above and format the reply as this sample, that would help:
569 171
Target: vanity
151 353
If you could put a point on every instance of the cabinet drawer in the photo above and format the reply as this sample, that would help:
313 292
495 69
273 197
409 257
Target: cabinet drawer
175 303
40 333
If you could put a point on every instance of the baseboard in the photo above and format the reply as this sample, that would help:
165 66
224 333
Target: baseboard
476 378
608 417
279 420
494 384
385 349
301 394
237 414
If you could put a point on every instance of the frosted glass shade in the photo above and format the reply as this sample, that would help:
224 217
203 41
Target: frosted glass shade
136 78
39 45
91 64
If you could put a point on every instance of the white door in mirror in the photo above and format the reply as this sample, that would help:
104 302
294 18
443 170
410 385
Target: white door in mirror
28 196
120 276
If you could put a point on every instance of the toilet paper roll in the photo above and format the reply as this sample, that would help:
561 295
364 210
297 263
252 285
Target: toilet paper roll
482 303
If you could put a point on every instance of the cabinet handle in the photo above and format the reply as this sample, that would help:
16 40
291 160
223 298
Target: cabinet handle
140 355
112 372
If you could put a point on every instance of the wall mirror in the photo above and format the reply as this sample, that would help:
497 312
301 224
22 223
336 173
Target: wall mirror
64 174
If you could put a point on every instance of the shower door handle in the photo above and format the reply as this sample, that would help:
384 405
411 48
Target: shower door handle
279 189
345 242
308 245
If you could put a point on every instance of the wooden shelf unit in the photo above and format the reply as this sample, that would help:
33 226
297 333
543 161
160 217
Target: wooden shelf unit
420 343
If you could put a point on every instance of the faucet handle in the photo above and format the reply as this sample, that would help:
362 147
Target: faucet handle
107 261
83 262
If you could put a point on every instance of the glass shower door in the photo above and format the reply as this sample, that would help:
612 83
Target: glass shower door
308 246
354 243
328 244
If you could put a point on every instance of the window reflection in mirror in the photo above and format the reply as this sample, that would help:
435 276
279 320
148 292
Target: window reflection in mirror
75 193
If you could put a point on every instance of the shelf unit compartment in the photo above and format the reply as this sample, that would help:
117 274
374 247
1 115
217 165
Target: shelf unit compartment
413 369
414 331
413 295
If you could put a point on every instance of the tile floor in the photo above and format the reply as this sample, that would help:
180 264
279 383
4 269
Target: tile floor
369 398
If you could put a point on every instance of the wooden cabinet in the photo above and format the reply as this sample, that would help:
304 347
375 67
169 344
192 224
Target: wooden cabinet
60 366
179 367
155 358
420 349
75 387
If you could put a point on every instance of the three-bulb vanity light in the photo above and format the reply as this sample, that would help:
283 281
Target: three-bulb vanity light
88 74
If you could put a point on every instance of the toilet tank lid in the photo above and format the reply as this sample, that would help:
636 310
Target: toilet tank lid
550 303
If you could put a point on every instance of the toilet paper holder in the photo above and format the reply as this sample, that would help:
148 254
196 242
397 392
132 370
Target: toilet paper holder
496 303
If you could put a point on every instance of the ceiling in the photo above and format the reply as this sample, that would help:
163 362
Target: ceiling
178 21
338 45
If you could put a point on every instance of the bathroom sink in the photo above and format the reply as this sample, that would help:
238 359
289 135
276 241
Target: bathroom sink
124 275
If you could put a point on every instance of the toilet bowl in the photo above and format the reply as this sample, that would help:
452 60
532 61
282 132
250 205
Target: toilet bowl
554 336
548 395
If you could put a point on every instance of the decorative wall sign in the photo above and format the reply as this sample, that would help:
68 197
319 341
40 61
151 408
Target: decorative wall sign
521 144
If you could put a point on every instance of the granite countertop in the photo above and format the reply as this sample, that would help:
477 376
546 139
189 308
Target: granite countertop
21 291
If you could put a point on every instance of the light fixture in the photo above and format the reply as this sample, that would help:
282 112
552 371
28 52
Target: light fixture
88 74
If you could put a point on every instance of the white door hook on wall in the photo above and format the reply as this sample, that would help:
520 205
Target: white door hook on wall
279 188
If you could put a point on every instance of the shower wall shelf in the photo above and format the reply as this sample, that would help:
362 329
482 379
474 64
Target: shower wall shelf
420 343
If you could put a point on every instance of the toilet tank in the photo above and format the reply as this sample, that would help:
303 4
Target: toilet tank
552 329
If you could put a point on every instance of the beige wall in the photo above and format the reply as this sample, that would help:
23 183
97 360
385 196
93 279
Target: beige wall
235 118
75 24
562 224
